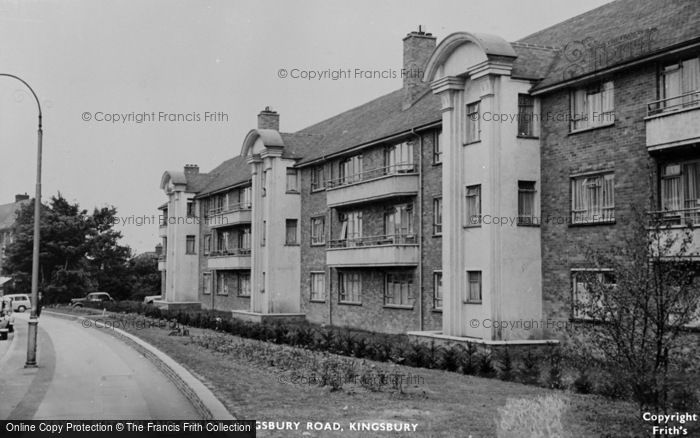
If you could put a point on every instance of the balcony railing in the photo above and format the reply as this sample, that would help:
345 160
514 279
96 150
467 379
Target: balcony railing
231 208
230 252
674 103
389 239
394 169
682 216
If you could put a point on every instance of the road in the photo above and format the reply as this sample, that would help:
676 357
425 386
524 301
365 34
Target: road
83 373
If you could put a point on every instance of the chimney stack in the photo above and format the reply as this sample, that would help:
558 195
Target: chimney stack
268 119
191 169
19 198
417 48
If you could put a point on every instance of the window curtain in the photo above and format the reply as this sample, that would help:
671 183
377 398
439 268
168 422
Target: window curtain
691 81
608 197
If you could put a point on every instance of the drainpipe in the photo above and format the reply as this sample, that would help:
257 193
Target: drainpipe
420 229
329 237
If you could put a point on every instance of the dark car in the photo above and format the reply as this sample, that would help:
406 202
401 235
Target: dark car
92 297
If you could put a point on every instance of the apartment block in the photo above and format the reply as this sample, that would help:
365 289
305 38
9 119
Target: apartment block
461 203
8 216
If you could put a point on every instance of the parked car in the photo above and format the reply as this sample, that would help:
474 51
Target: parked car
20 302
149 299
92 297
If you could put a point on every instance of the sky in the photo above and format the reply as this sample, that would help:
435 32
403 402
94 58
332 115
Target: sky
196 73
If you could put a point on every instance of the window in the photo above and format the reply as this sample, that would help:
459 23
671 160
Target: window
679 86
399 158
317 178
222 283
292 181
244 238
206 283
264 181
262 283
398 223
350 169
190 209
473 206
207 244
318 286
680 192
593 106
473 123
526 203
349 287
526 115
593 199
582 281
437 216
291 233
437 148
351 225
318 230
190 245
263 233
437 290
398 289
244 197
473 287
244 284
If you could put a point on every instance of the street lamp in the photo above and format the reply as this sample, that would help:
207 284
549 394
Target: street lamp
33 321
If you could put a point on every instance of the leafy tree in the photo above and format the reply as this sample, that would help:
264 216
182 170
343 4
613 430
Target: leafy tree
637 316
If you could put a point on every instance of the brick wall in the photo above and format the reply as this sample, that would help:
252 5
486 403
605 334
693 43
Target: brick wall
621 148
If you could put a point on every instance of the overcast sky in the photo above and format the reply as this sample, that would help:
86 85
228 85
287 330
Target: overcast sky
192 57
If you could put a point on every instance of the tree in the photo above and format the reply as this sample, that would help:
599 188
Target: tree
637 313
79 252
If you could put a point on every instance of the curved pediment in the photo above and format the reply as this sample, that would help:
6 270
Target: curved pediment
461 51
172 178
259 139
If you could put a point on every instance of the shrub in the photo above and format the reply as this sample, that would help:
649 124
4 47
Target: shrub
541 417
469 360
451 358
554 380
583 384
486 368
506 363
530 369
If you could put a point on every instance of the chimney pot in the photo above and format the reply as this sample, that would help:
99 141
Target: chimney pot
191 169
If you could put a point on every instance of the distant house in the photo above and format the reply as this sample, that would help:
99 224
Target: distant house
8 215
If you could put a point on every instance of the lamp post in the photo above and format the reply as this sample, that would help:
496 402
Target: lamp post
33 320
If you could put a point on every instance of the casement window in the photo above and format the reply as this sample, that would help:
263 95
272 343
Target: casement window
292 181
593 106
222 283
437 290
207 244
398 158
264 181
244 238
190 209
351 226
473 205
263 233
350 287
398 223
679 86
216 204
318 179
224 241
473 123
291 232
582 282
318 230
526 203
206 283
593 199
245 197
244 284
190 245
680 192
526 115
437 216
473 293
350 169
437 148
398 289
318 286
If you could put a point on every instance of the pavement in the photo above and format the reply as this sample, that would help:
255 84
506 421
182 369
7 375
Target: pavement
84 373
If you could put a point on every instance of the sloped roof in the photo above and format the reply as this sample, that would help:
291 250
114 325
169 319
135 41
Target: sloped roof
617 32
8 213
231 172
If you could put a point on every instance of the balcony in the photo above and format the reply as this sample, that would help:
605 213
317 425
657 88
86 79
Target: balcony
235 258
233 215
381 183
673 121
389 250
678 228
